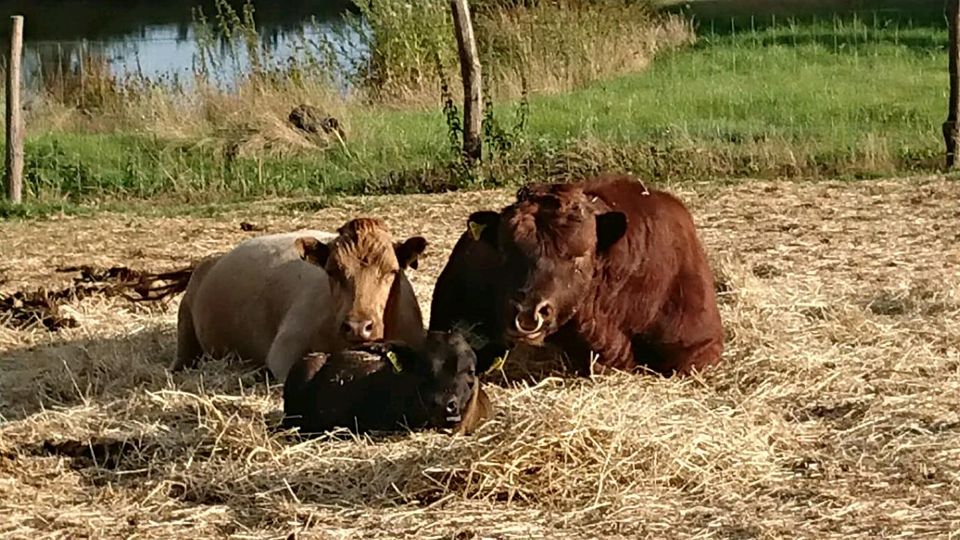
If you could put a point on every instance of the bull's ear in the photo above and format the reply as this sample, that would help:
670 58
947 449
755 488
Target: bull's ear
611 226
483 226
312 250
409 251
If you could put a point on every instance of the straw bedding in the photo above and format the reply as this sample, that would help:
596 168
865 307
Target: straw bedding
835 414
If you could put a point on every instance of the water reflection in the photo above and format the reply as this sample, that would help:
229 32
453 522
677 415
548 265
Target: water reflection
159 40
170 53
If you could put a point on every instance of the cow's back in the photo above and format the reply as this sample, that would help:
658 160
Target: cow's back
669 269
250 291
660 229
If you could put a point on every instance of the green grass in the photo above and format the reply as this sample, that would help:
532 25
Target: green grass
838 97
833 98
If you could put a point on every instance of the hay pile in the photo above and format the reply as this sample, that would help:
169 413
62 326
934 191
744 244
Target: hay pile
836 413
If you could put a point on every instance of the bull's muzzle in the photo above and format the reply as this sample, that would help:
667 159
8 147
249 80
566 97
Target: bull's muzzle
532 323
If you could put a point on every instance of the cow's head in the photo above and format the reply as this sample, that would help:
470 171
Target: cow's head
365 266
551 240
437 382
445 371
448 373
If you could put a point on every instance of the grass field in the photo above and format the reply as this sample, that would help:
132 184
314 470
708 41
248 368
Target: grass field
831 96
835 413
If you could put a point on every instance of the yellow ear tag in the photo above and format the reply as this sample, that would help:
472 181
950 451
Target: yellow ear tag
394 361
476 229
498 363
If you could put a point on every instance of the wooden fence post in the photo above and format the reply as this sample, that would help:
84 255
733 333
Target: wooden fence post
950 131
470 73
14 160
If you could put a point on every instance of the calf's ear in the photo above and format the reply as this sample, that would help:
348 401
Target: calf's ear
483 225
409 251
478 411
404 356
312 250
611 226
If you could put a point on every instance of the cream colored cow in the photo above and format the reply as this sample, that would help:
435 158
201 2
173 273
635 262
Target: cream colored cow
274 298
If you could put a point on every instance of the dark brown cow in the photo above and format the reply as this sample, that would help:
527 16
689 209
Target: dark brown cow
464 298
604 266
360 388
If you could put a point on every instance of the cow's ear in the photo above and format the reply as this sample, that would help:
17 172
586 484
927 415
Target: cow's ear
409 251
483 226
312 250
611 226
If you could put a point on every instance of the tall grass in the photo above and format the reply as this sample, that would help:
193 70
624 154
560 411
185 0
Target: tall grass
841 96
549 45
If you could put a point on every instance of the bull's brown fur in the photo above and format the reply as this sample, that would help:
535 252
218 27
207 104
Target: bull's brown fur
649 298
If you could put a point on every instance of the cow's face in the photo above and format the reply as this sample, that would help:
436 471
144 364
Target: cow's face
447 368
364 265
551 241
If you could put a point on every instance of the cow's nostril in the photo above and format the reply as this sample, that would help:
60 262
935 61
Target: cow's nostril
358 329
545 310
452 406
518 322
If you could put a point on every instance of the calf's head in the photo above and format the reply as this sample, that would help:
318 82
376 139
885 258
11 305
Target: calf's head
552 241
447 381
365 266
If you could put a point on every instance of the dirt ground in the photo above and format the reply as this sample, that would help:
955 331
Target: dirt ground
835 414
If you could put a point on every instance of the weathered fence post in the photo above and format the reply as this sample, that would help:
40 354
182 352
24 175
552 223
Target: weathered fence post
470 73
950 126
14 160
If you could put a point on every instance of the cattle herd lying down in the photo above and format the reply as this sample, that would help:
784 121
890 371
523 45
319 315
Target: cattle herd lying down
608 271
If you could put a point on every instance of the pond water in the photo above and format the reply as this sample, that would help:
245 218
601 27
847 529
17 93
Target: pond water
159 38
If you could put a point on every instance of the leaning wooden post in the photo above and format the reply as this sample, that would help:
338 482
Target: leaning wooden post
950 133
470 73
14 124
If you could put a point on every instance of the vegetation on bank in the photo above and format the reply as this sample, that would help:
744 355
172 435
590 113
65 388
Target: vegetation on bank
847 96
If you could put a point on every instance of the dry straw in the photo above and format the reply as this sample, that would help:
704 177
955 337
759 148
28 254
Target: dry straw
834 415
